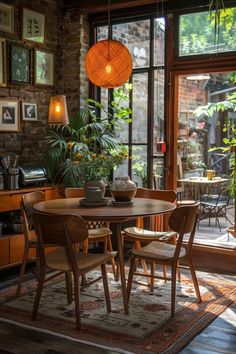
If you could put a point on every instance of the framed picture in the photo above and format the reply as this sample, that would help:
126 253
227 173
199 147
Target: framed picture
9 115
33 26
44 68
29 111
6 18
3 63
20 64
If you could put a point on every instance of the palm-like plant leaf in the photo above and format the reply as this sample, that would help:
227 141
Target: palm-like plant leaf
91 128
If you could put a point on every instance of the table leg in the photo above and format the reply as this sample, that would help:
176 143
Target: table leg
122 267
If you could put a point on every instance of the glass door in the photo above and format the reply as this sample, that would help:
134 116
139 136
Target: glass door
206 126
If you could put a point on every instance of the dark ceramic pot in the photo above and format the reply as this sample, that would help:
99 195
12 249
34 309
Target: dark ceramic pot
100 184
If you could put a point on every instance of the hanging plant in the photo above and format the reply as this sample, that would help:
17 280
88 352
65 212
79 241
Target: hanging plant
215 8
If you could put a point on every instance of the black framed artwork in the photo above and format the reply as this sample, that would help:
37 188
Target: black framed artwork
19 64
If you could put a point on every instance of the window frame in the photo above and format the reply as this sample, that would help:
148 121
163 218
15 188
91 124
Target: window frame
95 91
191 58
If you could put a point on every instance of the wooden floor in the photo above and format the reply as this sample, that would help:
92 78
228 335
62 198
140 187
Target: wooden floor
22 340
219 337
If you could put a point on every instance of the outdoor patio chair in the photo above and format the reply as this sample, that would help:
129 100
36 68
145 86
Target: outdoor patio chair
97 231
64 232
214 206
182 221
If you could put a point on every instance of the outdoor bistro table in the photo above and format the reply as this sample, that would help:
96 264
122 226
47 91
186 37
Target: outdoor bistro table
197 186
116 214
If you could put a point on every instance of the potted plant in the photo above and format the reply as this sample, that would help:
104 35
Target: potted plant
88 148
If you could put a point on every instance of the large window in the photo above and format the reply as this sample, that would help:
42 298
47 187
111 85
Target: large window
145 40
204 106
199 33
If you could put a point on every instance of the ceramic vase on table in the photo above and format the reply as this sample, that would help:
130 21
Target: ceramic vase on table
123 189
99 184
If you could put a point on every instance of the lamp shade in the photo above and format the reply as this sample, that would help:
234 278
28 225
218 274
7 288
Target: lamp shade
58 110
108 63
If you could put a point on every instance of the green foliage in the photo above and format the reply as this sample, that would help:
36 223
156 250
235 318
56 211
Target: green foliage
92 130
139 165
90 165
230 141
210 31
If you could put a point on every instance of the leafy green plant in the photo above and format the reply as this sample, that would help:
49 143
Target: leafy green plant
192 164
90 165
140 170
229 142
91 131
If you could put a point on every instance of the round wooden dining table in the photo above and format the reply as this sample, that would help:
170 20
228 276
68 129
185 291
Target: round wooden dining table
114 213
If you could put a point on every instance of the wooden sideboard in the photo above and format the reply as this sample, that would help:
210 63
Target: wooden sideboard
12 244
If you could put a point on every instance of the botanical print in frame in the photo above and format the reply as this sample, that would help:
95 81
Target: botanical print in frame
20 64
44 68
29 111
9 115
33 26
6 18
3 63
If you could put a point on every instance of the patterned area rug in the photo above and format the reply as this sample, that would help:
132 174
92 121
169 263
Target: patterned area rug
147 329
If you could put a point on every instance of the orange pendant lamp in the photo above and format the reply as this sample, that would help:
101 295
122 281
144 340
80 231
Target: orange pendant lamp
108 64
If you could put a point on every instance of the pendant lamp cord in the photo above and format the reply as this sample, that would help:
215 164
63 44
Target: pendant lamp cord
109 26
109 19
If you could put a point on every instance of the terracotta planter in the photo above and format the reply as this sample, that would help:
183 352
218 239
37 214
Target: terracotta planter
232 231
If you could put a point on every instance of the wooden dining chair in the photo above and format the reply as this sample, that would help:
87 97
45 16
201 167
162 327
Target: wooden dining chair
158 225
30 238
182 221
98 231
64 232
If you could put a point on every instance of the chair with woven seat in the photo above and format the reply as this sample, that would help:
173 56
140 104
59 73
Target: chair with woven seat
182 221
159 224
30 238
64 232
98 231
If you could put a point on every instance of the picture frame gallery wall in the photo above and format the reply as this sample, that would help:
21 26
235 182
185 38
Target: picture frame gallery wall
23 62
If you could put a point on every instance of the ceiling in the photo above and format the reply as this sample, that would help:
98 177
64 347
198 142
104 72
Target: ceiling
95 6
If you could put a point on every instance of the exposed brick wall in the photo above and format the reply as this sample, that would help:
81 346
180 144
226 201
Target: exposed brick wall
66 37
73 45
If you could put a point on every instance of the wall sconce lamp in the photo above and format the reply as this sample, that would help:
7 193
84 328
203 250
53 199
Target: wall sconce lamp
58 110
